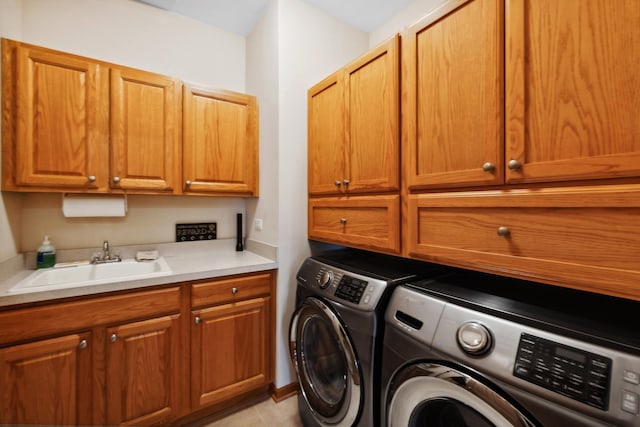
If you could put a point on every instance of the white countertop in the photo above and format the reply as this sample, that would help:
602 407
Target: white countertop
188 261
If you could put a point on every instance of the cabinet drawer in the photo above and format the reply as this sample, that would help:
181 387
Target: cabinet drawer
366 222
586 247
230 289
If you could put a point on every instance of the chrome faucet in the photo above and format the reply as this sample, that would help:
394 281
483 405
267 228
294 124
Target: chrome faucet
106 255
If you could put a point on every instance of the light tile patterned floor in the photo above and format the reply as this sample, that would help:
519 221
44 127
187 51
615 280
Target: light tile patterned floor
264 414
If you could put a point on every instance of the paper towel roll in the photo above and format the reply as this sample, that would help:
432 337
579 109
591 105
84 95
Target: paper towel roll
82 205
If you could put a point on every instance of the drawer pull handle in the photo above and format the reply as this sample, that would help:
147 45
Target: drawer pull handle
514 165
113 338
343 221
345 181
338 183
187 183
83 344
504 231
197 320
488 167
91 178
234 290
116 180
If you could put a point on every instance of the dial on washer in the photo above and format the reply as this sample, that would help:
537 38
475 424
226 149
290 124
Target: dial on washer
474 338
325 279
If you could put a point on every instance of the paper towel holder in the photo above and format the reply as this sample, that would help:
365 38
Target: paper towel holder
75 205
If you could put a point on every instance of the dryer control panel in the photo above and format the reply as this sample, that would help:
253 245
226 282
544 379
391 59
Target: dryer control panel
572 372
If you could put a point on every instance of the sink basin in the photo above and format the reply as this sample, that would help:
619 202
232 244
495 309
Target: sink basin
91 274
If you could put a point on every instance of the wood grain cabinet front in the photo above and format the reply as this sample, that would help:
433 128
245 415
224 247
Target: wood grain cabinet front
47 381
231 337
220 142
559 236
353 126
369 222
55 121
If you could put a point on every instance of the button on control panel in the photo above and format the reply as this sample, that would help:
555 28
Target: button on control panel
572 372
351 289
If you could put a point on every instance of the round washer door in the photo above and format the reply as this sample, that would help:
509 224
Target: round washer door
430 394
325 363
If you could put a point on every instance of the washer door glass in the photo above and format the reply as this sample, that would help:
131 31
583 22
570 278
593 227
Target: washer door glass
431 394
325 363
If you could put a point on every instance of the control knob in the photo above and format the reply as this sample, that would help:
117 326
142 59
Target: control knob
474 338
325 279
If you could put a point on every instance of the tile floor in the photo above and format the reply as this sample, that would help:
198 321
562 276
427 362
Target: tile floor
264 414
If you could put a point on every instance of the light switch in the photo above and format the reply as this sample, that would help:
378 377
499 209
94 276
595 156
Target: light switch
258 224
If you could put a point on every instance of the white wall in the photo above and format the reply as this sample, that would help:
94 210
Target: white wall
137 35
311 45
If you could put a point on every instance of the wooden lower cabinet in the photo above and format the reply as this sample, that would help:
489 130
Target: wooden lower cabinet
125 358
47 381
141 377
586 238
231 338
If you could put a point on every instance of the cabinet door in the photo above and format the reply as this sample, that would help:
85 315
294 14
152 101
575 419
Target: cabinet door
47 382
326 136
573 89
230 350
142 371
373 132
61 129
453 96
145 131
220 142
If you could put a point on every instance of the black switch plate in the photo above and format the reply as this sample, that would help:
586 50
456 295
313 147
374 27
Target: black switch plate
196 232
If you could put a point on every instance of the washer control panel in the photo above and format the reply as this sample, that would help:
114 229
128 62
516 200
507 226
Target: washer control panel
572 372
351 289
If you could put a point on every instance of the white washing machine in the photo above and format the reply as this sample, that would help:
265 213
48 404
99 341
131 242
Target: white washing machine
474 349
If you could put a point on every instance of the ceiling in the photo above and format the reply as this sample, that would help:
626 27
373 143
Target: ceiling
240 16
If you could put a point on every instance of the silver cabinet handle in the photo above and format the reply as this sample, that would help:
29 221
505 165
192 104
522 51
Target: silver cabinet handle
113 338
488 167
234 290
197 320
504 231
187 183
83 344
338 183
116 180
345 181
91 178
514 165
343 221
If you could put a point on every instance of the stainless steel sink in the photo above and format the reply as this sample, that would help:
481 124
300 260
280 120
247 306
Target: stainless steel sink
91 274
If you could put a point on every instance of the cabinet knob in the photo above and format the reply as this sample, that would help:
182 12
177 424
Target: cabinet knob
83 344
234 290
187 183
345 181
116 180
488 167
514 165
91 178
504 231
113 338
338 183
197 320
343 221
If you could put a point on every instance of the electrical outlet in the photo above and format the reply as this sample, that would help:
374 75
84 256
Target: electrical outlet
258 224
196 232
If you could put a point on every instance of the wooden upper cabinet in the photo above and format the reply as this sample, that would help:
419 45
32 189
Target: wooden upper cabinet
145 131
47 382
220 142
453 96
55 119
326 135
353 125
573 89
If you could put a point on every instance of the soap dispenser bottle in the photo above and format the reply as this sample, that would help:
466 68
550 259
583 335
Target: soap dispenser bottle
46 254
